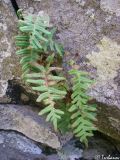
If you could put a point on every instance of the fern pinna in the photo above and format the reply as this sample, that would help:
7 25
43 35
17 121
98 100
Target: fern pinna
83 114
39 55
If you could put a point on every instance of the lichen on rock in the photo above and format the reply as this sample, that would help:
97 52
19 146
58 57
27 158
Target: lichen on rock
107 60
107 63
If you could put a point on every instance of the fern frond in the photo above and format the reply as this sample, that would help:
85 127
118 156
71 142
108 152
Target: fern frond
53 115
83 114
46 84
35 38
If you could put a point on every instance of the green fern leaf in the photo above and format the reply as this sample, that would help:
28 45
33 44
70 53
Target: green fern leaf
83 114
45 83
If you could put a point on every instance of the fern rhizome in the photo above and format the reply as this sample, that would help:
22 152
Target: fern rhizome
40 58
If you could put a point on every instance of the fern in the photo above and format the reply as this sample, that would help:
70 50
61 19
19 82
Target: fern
83 114
39 54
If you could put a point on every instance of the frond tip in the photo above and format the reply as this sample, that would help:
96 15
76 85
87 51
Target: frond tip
53 115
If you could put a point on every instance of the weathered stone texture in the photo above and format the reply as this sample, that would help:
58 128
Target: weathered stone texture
109 121
90 32
17 147
107 64
9 65
23 120
111 6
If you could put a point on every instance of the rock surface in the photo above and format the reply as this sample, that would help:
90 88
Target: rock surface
100 146
90 32
107 64
24 120
9 65
14 146
112 6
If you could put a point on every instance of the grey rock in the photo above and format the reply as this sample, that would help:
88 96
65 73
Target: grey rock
14 146
100 145
27 122
88 33
7 153
81 2
111 6
107 64
70 152
19 142
53 157
9 65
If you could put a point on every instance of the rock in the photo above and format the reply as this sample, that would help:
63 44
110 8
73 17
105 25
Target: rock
100 146
16 141
24 98
9 64
53 157
109 120
81 2
14 146
91 37
6 153
107 64
70 152
111 6
24 120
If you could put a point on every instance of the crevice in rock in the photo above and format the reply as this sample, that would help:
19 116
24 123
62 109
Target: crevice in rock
15 6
